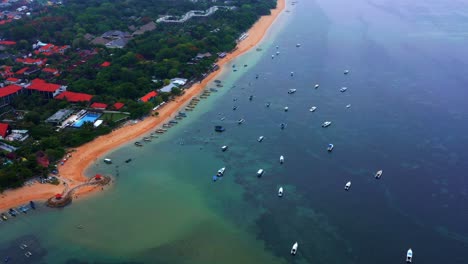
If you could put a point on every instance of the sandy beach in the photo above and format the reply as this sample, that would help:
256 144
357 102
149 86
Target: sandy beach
73 170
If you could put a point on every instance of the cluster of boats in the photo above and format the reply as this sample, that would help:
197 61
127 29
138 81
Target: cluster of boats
165 127
192 104
13 212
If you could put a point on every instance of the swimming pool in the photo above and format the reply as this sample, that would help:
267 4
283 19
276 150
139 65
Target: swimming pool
89 117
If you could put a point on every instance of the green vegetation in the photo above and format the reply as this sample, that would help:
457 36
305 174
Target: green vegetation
161 54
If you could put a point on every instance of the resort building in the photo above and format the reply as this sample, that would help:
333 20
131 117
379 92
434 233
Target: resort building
99 106
175 83
5 130
49 90
74 97
59 117
9 92
148 96
118 106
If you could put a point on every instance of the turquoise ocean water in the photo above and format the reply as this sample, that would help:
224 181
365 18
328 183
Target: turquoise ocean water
408 117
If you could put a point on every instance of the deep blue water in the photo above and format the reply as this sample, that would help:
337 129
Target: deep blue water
406 87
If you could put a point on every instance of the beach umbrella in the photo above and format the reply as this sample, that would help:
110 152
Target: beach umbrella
98 177
58 196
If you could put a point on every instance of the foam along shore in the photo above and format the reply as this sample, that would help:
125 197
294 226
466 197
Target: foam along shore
73 170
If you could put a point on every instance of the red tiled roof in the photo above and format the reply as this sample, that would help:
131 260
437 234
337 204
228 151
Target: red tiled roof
7 42
149 96
31 61
8 90
105 64
43 86
13 80
22 71
3 22
3 129
74 97
50 70
118 105
98 105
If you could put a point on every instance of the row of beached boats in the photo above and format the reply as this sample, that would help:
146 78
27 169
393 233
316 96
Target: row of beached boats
13 212
162 130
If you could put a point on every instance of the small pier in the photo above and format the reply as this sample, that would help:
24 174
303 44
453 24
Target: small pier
65 198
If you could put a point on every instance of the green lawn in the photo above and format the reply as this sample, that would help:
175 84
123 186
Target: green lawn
113 117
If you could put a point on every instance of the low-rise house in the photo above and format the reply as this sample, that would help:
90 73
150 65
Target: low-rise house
175 83
203 55
51 71
12 80
31 61
118 106
99 106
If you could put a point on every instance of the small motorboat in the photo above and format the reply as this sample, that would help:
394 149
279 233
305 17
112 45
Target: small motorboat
347 186
221 172
280 192
138 144
240 121
298 45
277 53
260 139
260 173
108 161
4 217
128 160
245 65
147 139
219 129
272 56
292 73
294 248
409 256
281 159
326 124
378 174
348 106
224 148
283 125
12 212
267 104
317 86
234 108
173 122
313 108
286 108
343 89
32 205
346 72
330 147
251 98
291 91
277 47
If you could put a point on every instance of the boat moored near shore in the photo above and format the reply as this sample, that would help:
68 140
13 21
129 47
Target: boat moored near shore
409 256
326 124
347 186
108 161
378 174
280 192
330 147
281 159
294 249
260 173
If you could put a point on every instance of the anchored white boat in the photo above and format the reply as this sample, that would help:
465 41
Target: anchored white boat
291 91
378 174
221 172
240 121
346 71
260 139
280 192
343 89
277 53
409 256
286 108
273 56
294 248
317 86
313 108
347 186
292 73
348 106
224 148
281 159
260 173
298 45
108 161
330 147
326 124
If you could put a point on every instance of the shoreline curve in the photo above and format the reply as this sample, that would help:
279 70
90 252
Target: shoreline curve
73 170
